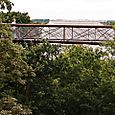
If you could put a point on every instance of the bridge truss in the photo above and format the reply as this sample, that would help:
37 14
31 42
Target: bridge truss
63 33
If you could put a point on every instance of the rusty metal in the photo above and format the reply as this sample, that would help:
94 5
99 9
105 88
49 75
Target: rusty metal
74 26
57 41
69 34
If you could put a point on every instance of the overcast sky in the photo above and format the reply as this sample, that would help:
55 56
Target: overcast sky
67 9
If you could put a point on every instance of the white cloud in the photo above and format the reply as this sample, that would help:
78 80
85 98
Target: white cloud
67 9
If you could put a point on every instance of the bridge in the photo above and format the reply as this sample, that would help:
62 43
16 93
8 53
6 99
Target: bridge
67 34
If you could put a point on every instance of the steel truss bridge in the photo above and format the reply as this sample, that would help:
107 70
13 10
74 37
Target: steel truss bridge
67 34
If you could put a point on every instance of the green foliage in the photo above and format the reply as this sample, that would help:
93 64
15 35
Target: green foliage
10 16
10 106
14 71
5 31
20 17
75 80
58 80
6 4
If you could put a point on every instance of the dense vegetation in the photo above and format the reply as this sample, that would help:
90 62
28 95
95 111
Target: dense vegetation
50 79
18 16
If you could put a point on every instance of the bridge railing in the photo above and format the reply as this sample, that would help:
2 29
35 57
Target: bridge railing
63 32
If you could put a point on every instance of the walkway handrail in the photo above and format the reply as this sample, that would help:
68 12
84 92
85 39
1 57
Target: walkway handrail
60 33
56 25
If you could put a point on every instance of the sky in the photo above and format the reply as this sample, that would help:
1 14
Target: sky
67 9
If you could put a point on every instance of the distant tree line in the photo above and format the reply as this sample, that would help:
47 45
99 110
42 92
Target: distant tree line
108 22
40 21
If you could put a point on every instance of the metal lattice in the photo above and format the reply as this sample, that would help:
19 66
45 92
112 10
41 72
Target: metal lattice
63 32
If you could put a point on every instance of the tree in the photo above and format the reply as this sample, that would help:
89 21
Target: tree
20 17
6 4
10 16
14 73
10 106
5 31
50 79
76 80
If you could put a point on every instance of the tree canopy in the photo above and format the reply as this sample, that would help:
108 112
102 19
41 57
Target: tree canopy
9 16
49 79
18 16
6 4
